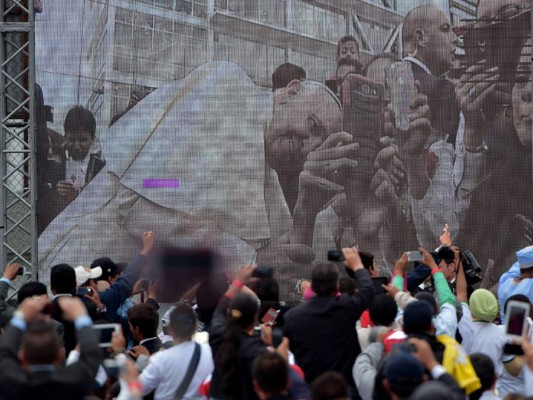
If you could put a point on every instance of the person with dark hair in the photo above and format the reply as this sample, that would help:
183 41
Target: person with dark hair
383 310
143 321
207 296
234 344
418 323
167 369
81 164
270 374
484 368
31 356
121 289
285 73
382 313
347 285
63 284
30 289
347 47
322 332
110 271
403 374
62 280
444 311
330 386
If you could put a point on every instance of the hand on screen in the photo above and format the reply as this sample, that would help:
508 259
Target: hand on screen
477 87
148 242
66 190
389 179
326 170
446 237
402 264
413 141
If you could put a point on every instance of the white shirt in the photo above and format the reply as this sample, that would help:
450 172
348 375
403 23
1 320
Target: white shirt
507 382
167 369
485 338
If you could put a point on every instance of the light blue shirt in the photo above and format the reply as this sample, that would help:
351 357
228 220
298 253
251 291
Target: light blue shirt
509 285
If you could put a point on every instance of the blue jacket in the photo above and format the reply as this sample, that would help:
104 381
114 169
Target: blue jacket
121 289
510 284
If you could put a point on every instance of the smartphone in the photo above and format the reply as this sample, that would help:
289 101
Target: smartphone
362 101
83 291
270 316
415 255
335 255
516 319
402 89
20 271
104 333
498 44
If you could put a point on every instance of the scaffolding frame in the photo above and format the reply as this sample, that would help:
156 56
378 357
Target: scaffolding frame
18 155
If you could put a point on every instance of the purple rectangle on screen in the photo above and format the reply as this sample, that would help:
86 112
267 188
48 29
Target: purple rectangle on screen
160 183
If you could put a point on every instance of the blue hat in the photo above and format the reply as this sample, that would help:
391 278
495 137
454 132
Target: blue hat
525 257
417 317
404 373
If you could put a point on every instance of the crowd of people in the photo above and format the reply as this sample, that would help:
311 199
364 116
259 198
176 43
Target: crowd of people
353 335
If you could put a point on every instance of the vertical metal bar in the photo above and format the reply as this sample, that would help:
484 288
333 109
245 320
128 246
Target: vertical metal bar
32 145
3 105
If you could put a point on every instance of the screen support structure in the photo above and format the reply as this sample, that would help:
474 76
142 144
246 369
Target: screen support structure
17 116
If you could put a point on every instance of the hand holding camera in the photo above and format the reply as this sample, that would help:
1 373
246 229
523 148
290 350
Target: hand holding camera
352 259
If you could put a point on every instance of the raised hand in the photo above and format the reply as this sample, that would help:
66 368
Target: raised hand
352 259
148 242
11 271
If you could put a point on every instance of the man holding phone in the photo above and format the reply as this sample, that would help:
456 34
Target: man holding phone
35 366
322 332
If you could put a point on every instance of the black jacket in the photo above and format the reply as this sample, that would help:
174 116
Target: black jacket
250 347
72 382
322 332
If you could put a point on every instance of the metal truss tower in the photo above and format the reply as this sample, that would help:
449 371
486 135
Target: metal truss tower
17 116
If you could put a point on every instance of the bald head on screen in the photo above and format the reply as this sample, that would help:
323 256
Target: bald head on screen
427 35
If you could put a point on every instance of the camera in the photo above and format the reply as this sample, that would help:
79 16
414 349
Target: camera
471 267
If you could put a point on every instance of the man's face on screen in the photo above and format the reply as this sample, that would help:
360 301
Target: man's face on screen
348 50
442 41
303 118
521 97
78 143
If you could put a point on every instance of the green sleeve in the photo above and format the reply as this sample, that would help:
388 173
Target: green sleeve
398 282
442 287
